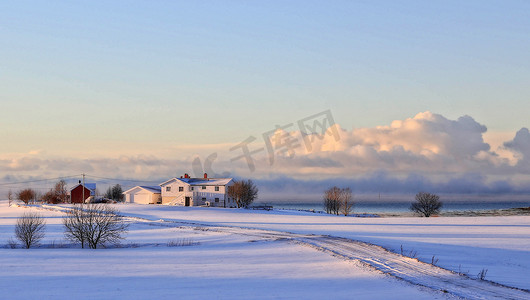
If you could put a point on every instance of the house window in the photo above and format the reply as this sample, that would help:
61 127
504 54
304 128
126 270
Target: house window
203 187
191 188
181 189
217 189
203 199
217 200
168 189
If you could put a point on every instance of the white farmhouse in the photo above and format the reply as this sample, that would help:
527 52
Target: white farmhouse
186 191
143 195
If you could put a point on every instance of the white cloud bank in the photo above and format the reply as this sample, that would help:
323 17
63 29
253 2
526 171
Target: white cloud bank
419 151
427 143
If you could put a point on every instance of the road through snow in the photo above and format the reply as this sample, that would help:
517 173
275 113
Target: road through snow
376 257
405 268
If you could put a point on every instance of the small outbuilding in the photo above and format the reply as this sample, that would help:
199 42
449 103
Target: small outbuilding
76 193
142 194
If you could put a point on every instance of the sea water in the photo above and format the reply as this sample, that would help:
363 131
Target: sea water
397 207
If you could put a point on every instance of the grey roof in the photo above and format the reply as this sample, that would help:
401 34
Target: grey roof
152 189
205 181
202 181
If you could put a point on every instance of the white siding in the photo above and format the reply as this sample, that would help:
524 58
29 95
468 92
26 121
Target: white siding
141 196
174 196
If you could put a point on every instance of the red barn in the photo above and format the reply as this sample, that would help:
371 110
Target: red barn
76 193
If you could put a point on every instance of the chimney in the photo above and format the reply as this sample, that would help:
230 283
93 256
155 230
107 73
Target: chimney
205 175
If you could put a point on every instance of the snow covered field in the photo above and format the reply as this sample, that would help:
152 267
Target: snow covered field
231 264
499 244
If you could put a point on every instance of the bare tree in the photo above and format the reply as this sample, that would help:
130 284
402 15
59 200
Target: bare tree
332 200
338 201
49 197
94 224
30 229
346 201
61 193
74 225
244 192
10 196
58 194
26 195
426 204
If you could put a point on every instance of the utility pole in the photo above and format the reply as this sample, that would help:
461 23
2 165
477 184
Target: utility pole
83 200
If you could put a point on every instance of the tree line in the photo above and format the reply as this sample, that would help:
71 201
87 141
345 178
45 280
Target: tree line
59 194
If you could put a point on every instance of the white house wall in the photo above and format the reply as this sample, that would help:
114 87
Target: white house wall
198 196
173 195
141 196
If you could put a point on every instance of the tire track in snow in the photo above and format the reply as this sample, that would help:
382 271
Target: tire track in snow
412 270
390 263
378 258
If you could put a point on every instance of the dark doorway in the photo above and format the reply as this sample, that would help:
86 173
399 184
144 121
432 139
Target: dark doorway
187 201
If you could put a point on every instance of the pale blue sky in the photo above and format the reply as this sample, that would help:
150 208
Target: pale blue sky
201 72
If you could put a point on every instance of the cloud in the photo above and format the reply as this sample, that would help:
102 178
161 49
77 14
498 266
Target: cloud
20 164
426 134
424 152
426 143
520 145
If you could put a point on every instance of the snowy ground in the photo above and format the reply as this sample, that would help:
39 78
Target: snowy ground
229 264
469 244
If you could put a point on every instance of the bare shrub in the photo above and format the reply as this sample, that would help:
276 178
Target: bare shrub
412 253
128 245
434 260
94 224
182 243
30 229
26 195
482 274
11 243
426 204
58 194
461 272
54 244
